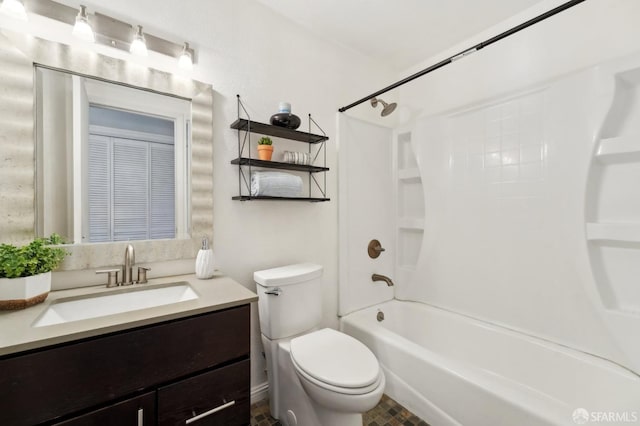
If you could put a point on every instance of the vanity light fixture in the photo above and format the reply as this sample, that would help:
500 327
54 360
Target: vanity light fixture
82 29
185 61
14 9
102 29
139 45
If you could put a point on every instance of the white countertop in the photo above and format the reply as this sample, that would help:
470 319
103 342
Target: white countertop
17 333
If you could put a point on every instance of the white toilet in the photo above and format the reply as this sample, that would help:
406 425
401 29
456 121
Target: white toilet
316 377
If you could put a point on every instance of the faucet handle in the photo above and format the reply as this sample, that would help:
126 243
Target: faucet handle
112 276
142 274
374 249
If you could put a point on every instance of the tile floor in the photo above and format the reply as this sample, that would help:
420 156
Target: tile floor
387 413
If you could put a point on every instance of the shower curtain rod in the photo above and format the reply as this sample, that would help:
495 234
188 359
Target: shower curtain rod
467 52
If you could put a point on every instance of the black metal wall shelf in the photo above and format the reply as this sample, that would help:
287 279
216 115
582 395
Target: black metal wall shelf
249 198
279 132
243 161
246 164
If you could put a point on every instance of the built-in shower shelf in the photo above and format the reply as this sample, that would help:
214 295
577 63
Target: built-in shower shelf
628 312
409 175
627 232
624 148
410 223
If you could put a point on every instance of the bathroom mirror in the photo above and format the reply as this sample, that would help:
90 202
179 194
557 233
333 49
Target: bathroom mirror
36 200
111 160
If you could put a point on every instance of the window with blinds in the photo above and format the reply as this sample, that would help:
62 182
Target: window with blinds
131 177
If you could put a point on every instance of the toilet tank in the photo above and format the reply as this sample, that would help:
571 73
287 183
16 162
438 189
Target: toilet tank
289 299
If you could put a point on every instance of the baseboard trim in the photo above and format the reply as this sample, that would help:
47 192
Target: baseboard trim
259 392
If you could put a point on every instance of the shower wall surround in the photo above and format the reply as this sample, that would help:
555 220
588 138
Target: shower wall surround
613 204
364 213
505 237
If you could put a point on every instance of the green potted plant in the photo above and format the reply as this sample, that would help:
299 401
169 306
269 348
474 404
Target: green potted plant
25 272
265 148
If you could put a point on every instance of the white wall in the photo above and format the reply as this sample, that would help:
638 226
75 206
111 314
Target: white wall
244 48
506 244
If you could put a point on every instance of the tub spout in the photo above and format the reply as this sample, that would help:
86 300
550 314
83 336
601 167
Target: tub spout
378 277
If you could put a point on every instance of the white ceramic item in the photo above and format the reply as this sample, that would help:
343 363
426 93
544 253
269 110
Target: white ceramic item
204 261
19 293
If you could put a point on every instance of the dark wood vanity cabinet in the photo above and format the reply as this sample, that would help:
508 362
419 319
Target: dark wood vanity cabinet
213 398
193 370
137 411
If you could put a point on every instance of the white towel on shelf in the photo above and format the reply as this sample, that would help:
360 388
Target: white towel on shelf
275 184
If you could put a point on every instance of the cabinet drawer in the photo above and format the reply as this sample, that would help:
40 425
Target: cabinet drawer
138 411
218 397
47 384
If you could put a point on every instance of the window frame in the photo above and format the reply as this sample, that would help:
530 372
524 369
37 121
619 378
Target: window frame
91 92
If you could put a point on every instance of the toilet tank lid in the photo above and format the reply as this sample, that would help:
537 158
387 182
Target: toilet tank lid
290 274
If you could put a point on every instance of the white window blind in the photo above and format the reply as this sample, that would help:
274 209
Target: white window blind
162 192
131 189
99 188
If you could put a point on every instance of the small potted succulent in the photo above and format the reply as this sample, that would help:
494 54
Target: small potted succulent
265 148
25 272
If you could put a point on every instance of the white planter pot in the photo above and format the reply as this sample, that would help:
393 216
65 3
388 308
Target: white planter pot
19 293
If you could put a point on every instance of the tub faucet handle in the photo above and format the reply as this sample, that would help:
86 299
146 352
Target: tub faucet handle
374 249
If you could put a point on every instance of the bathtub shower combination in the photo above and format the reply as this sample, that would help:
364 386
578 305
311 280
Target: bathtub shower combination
454 370
517 255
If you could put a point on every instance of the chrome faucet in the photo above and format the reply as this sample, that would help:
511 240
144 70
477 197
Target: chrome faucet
378 277
127 268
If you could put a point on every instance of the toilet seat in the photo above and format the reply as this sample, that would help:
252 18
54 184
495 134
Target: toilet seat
337 389
335 361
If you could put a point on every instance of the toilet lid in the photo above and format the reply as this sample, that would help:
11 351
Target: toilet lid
335 358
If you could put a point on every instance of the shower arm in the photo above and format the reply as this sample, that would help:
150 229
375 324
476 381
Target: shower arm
467 52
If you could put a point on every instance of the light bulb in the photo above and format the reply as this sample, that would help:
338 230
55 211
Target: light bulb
138 45
185 61
14 9
82 29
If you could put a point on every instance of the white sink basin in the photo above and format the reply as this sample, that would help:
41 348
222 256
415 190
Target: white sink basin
116 302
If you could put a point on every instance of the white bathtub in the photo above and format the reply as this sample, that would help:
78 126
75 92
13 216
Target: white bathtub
450 369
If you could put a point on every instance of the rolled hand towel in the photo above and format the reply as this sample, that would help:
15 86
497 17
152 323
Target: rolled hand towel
275 184
303 158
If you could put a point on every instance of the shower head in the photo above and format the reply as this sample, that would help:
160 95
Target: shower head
386 108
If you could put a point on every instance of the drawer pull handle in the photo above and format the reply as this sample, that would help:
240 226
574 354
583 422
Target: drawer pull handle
141 417
210 412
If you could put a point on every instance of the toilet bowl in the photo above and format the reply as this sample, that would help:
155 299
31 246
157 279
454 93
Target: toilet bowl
337 371
316 377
